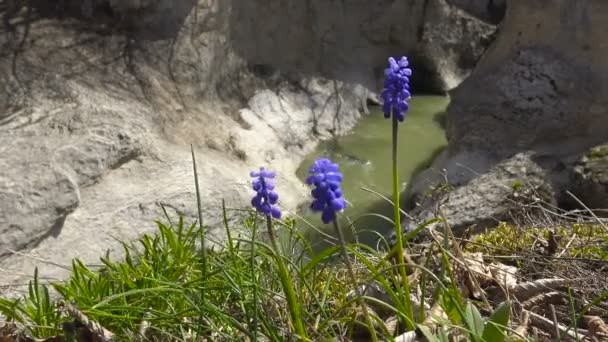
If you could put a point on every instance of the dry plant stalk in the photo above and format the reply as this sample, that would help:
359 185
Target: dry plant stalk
470 278
528 289
553 297
435 316
144 325
524 323
547 326
94 327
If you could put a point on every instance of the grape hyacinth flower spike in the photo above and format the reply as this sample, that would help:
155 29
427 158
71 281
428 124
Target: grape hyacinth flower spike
328 199
327 195
265 199
396 93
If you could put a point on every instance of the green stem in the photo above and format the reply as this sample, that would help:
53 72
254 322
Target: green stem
202 234
287 283
254 282
400 259
351 274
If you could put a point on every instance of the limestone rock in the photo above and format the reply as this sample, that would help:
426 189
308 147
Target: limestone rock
451 42
491 11
351 41
492 197
531 91
37 205
590 178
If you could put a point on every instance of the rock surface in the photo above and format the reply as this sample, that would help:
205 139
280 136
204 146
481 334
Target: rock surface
541 89
349 40
447 55
590 178
492 197
491 11
100 101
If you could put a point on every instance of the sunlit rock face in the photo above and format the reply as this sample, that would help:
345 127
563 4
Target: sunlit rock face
100 101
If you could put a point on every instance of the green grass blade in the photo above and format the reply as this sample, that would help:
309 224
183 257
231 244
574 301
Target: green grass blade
497 324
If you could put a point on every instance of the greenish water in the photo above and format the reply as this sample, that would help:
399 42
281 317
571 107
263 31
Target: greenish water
364 157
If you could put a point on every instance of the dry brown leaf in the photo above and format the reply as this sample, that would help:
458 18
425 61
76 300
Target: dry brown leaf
409 336
478 267
474 267
391 324
503 275
596 326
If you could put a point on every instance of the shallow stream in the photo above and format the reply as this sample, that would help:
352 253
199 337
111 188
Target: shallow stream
364 157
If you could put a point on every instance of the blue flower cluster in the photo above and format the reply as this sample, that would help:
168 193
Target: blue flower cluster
396 91
265 199
327 194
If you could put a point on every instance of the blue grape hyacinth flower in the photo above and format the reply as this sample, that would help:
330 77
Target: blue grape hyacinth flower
396 93
265 199
327 195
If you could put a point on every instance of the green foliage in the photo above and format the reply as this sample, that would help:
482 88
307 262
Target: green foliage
159 282
495 328
598 152
478 329
491 331
588 240
36 312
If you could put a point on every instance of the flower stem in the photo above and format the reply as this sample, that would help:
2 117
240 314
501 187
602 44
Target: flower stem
400 259
351 274
254 285
287 283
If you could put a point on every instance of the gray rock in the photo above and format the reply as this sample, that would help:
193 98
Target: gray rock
495 196
491 11
351 40
529 95
590 178
536 99
451 42
531 91
37 206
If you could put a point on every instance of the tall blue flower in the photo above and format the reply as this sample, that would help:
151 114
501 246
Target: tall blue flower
265 199
396 91
327 194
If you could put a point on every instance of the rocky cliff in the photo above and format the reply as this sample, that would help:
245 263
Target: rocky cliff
534 105
101 99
